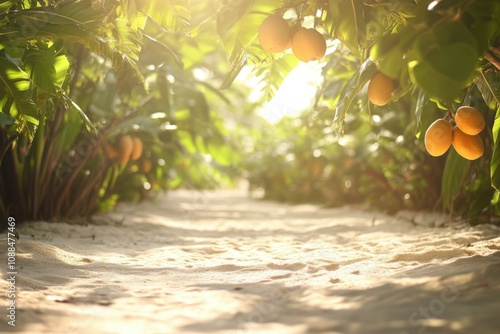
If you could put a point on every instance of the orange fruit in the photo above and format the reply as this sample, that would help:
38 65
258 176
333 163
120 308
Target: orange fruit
469 120
136 149
469 147
438 137
109 151
146 166
380 89
308 44
125 147
274 34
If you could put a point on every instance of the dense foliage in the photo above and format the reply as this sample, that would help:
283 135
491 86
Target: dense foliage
79 75
76 76
440 55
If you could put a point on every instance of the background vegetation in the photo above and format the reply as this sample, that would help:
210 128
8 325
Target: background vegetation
76 76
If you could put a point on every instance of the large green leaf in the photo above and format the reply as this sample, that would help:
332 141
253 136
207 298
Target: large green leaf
495 160
137 20
41 67
69 132
84 117
434 83
61 65
350 92
422 101
348 23
14 96
4 5
486 84
455 170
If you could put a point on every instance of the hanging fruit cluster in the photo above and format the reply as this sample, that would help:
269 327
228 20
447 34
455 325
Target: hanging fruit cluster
464 136
275 35
127 148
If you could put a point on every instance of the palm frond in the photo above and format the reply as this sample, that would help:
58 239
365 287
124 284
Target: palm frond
40 65
171 14
14 96
76 22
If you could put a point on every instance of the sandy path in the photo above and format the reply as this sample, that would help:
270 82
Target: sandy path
222 263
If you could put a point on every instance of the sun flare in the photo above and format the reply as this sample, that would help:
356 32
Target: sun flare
296 94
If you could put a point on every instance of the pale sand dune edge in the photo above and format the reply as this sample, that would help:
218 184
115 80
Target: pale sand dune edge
223 263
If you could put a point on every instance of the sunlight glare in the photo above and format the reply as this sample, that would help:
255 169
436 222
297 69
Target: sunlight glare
296 93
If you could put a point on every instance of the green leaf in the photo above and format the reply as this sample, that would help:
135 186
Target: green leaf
67 12
234 70
69 132
230 15
392 63
485 84
40 66
136 19
495 159
349 25
350 92
155 34
433 82
486 22
171 14
202 12
461 68
5 5
419 108
125 40
14 96
118 60
5 120
455 170
61 65
383 45
215 90
482 199
274 72
80 22
90 126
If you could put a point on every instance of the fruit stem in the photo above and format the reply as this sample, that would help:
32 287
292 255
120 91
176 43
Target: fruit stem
450 114
299 12
493 59
295 5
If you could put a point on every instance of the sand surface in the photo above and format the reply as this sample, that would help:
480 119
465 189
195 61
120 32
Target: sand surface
220 262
